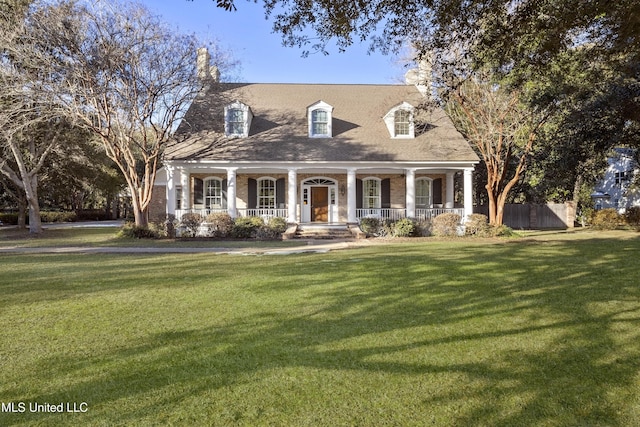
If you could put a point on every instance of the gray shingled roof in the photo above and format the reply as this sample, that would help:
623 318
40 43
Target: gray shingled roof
279 131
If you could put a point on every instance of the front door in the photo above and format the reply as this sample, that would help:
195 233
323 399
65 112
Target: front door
320 204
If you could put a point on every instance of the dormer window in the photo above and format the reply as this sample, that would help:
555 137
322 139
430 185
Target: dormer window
400 121
319 122
320 118
237 120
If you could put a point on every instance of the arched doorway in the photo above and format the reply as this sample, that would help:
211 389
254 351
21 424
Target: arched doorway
319 200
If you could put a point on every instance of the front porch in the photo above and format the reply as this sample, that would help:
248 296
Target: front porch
319 194
387 214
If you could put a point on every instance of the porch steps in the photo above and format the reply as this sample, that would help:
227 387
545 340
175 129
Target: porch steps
323 231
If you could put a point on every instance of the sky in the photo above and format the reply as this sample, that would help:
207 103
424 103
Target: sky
263 58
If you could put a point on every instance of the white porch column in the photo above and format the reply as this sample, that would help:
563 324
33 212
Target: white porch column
468 193
351 196
292 196
171 191
231 191
186 191
410 195
448 201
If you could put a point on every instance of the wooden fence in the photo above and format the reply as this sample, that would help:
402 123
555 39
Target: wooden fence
535 217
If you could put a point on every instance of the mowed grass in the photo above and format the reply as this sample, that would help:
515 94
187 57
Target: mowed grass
543 331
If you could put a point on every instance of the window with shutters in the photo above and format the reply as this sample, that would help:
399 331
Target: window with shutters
371 192
213 194
266 193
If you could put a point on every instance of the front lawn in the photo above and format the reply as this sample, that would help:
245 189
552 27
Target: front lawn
108 237
536 332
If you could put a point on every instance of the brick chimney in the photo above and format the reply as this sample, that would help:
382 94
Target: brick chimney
206 72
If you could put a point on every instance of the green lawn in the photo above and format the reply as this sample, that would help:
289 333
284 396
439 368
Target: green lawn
540 331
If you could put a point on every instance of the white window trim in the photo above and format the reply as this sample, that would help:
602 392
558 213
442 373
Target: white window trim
322 106
390 121
430 201
247 116
275 192
223 204
365 196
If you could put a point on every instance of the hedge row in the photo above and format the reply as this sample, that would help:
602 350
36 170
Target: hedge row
217 225
12 218
610 219
444 225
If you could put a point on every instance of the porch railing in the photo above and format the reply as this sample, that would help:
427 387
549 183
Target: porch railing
396 214
432 213
390 214
263 213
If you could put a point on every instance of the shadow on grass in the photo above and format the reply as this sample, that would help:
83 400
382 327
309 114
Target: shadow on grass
519 333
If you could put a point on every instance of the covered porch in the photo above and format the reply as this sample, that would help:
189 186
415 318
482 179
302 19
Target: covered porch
319 193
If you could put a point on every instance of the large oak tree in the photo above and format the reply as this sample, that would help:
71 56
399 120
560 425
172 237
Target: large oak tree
119 72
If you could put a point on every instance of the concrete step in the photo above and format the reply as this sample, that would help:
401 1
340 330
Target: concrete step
323 231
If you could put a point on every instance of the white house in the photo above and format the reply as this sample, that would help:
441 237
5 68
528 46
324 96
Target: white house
616 189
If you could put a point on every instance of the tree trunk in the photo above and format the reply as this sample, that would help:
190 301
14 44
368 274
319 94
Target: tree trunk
140 214
22 212
31 192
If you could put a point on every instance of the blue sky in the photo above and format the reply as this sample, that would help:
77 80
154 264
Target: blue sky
263 59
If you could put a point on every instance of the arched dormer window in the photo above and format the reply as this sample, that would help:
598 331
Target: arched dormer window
237 119
399 121
319 116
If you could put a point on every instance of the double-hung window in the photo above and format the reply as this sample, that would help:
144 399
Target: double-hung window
319 122
320 117
213 197
371 193
402 123
423 193
235 121
266 193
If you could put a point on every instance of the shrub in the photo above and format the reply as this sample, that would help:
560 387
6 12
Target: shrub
277 224
446 224
478 225
272 230
500 231
93 215
132 231
220 224
191 222
57 216
371 226
606 219
423 228
169 226
246 227
9 218
632 215
404 227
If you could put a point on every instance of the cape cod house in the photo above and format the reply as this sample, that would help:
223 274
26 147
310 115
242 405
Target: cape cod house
317 153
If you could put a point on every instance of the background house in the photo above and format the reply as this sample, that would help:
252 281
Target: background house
618 189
